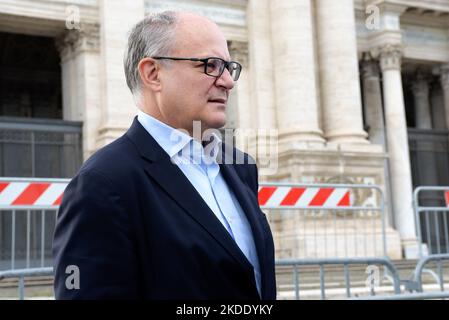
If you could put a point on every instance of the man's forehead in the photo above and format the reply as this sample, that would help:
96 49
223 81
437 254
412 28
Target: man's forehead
192 19
198 27
197 33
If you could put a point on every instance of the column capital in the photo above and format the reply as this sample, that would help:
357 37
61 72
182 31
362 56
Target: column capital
420 85
388 7
75 41
390 57
239 52
369 67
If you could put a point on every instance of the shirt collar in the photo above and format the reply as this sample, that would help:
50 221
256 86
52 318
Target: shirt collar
178 143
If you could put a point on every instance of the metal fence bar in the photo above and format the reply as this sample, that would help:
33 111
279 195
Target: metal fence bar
42 237
345 262
296 279
325 235
365 244
437 231
417 222
21 288
371 287
314 232
42 125
24 208
30 248
446 230
373 221
13 240
407 296
345 237
28 240
417 274
320 185
440 275
355 238
445 209
322 285
304 233
40 180
352 208
347 281
427 210
429 240
22 273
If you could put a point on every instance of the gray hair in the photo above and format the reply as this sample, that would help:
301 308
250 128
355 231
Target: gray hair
152 36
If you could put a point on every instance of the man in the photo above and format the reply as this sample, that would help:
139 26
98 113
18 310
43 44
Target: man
142 218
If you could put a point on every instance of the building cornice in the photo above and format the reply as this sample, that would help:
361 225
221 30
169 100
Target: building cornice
435 5
46 18
229 15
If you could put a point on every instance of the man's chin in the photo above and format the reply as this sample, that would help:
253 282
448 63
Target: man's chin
216 124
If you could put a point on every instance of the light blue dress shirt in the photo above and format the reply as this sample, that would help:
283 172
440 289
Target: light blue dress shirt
200 167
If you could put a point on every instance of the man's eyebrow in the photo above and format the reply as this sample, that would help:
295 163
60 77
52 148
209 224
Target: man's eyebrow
217 56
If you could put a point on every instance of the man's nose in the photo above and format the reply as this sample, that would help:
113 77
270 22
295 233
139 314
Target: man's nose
225 80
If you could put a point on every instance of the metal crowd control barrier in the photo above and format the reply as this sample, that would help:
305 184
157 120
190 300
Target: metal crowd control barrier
431 218
22 273
356 208
367 286
415 284
26 241
417 275
409 296
368 283
325 220
28 210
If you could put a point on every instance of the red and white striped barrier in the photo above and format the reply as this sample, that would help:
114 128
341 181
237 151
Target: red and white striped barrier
30 193
446 197
304 197
47 193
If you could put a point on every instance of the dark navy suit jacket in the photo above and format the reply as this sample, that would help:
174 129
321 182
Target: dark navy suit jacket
136 228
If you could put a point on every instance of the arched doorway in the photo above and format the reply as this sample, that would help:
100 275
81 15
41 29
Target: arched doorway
31 111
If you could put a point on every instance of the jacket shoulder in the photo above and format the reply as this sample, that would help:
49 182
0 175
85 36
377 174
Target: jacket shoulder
112 160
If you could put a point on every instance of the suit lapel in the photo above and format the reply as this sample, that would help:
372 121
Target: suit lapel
169 177
241 192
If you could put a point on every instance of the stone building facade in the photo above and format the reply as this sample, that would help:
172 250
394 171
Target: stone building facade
348 88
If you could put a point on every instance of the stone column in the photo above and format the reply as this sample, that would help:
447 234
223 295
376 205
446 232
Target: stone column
420 89
372 97
261 61
295 72
340 87
118 107
240 110
242 94
262 143
444 78
80 57
423 118
398 150
437 103
65 44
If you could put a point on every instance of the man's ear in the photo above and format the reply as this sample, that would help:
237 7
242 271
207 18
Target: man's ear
149 74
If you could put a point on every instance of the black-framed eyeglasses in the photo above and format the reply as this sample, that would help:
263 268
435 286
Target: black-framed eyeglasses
213 66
